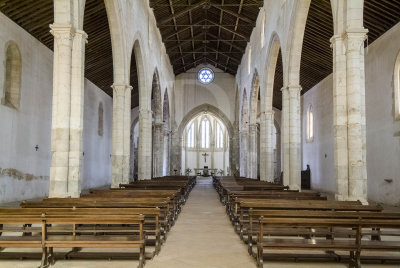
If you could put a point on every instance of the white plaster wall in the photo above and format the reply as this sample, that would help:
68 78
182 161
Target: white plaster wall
383 138
97 149
383 141
24 172
190 93
322 167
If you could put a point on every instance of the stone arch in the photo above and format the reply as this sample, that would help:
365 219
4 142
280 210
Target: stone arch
144 101
156 98
244 133
244 115
255 91
119 51
156 107
12 76
269 77
205 108
166 134
295 42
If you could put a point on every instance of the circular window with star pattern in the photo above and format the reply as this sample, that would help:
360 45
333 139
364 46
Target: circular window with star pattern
206 76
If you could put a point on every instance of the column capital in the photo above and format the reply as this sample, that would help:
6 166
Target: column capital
335 39
120 89
145 112
354 38
267 115
63 33
81 34
294 87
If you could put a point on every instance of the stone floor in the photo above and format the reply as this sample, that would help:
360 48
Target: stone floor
201 238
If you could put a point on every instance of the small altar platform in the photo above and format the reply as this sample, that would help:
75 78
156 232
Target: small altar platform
205 171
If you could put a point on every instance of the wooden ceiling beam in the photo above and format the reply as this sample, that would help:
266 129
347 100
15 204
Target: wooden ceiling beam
233 32
233 13
165 39
180 13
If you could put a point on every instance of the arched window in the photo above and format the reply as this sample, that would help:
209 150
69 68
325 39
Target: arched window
396 87
205 133
190 137
310 124
219 137
12 77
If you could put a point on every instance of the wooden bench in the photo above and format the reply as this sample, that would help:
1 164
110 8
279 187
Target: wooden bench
293 241
67 232
151 218
304 234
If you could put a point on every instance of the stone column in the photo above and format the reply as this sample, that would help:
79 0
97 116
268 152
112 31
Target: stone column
252 154
121 134
166 151
176 150
243 152
145 127
77 108
234 150
266 147
294 137
340 117
354 40
158 149
285 136
61 109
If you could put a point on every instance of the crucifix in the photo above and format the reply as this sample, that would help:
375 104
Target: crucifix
205 156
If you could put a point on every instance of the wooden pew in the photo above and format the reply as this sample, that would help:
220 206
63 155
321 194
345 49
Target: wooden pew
304 234
67 232
151 218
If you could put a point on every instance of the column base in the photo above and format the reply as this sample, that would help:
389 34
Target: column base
295 187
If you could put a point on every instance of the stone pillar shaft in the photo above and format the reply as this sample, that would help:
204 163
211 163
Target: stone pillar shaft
295 138
285 135
158 150
76 120
356 115
121 134
145 152
252 155
67 113
340 117
243 152
266 147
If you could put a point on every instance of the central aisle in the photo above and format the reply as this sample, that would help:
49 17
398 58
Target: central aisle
202 236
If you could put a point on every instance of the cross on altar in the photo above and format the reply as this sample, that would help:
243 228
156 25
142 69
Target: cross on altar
205 156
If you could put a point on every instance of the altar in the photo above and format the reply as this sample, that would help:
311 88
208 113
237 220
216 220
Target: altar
205 171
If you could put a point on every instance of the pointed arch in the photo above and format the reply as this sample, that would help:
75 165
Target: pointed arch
244 115
255 91
156 104
205 108
270 68
144 102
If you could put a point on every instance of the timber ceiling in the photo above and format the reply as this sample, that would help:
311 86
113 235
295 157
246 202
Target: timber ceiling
206 31
202 31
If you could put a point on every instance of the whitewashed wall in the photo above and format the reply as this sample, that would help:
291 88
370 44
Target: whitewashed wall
190 93
24 172
383 139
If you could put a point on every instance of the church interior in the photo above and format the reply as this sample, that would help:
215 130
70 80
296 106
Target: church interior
250 133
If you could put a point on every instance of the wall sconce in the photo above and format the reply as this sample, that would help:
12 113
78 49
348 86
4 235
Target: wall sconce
37 147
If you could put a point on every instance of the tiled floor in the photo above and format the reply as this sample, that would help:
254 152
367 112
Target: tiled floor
202 237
